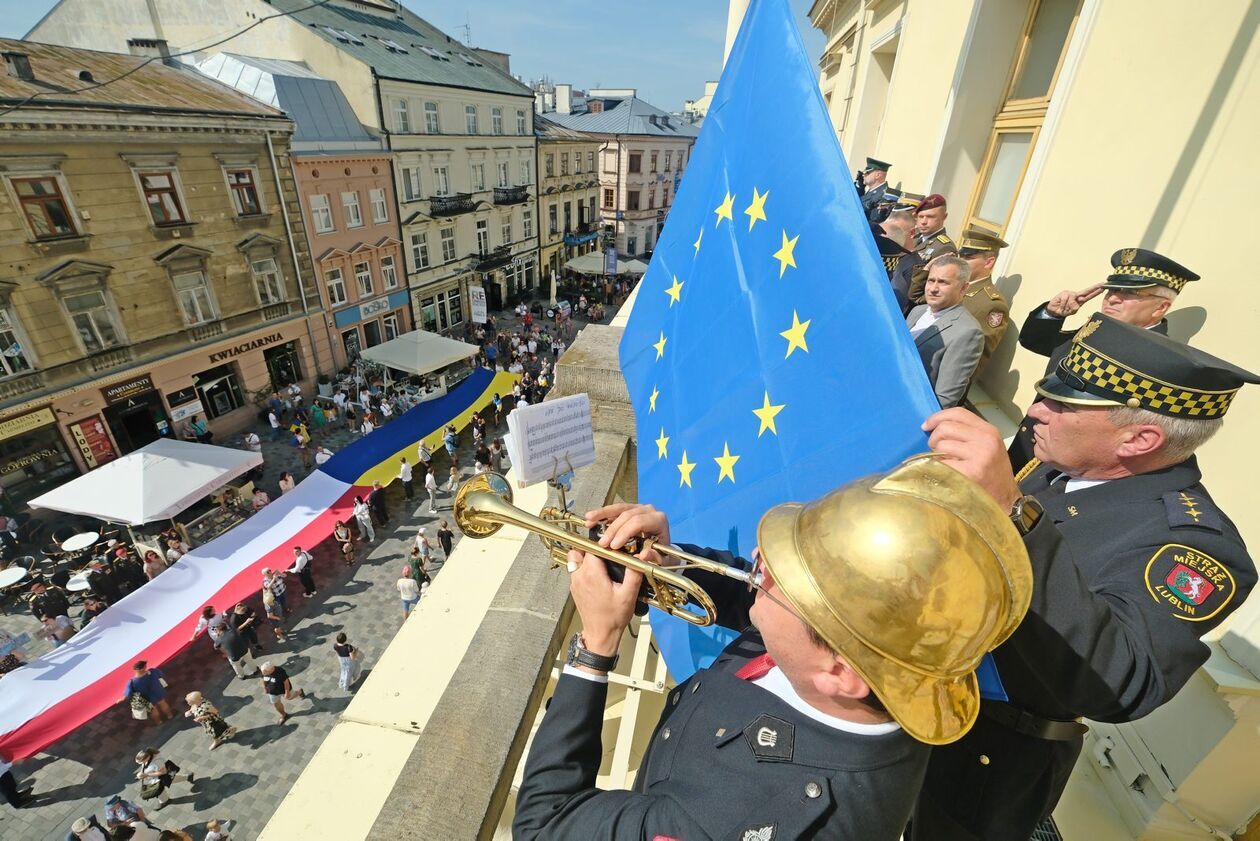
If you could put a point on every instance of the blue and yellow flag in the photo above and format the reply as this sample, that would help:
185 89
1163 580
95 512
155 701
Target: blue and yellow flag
766 358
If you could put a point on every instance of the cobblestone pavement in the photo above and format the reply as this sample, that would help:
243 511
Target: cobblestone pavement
245 779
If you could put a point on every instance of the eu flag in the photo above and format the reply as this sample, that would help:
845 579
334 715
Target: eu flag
766 358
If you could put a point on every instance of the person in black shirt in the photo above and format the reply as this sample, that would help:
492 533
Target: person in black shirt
92 608
376 501
103 582
48 601
278 687
446 537
245 620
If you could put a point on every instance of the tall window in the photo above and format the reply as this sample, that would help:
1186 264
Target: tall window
448 244
431 124
520 120
669 154
470 119
483 236
549 165
380 211
505 229
389 275
194 297
441 181
411 183
496 120
268 281
503 174
453 305
402 116
610 198
632 200
93 321
353 213
420 250
336 287
636 161
363 276
242 183
665 194
162 197
553 224
564 163
590 161
527 223
12 355
524 173
577 163
390 322
653 169
651 191
321 214
1047 32
45 207
478 180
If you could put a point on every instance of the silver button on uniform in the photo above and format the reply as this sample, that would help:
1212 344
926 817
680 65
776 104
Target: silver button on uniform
665 733
813 790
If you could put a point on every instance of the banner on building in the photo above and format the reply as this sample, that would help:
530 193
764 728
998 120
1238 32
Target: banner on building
610 260
477 295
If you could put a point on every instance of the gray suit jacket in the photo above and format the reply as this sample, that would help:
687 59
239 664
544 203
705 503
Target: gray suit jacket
950 350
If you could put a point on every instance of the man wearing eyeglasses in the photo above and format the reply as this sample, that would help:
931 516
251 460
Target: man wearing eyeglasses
1142 287
857 652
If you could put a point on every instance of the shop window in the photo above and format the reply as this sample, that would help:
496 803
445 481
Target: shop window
431 118
389 275
321 214
93 320
448 244
496 120
162 196
350 341
390 323
455 307
283 364
268 281
443 322
353 213
363 276
46 206
336 287
243 186
33 462
13 353
195 299
428 315
220 390
380 210
420 250
372 333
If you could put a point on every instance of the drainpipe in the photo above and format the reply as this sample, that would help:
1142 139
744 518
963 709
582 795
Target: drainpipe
297 267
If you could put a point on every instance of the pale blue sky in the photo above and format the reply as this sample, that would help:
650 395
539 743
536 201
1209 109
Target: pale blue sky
665 48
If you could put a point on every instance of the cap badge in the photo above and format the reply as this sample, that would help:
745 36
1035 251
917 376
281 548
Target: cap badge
1127 256
1086 331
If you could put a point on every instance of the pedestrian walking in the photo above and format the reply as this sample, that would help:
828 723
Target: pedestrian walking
275 614
425 548
156 776
425 457
451 441
207 616
446 538
302 568
496 456
120 812
146 693
245 620
345 539
207 715
431 488
498 409
274 420
279 688
87 829
351 661
363 515
233 646
275 584
376 500
404 473
452 480
322 454
408 591
286 483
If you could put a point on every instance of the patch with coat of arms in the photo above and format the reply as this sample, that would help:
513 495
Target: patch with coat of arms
996 318
1193 584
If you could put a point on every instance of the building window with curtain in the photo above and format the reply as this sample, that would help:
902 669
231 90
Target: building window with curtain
194 297
363 276
268 281
420 250
353 213
389 275
380 210
93 321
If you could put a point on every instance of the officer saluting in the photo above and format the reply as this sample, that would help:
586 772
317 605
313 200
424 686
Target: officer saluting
874 178
1132 563
815 723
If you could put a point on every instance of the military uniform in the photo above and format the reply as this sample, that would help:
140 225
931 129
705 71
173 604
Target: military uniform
894 256
873 196
928 247
1127 576
982 299
728 760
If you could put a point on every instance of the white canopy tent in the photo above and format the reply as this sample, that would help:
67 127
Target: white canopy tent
419 352
156 482
593 263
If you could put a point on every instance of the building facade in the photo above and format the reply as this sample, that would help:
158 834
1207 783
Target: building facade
568 197
147 272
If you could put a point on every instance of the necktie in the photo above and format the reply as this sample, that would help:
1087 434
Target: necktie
755 668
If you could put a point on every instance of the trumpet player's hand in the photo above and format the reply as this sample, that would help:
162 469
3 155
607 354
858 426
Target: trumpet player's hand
974 448
605 606
627 521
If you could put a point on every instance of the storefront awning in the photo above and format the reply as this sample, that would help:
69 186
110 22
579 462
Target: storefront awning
156 482
419 352
593 263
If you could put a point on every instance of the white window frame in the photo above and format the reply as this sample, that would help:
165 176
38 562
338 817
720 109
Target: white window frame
268 282
16 346
402 116
432 122
335 283
196 299
521 128
321 214
380 208
448 243
412 188
477 177
496 120
505 229
504 177
420 250
527 222
441 181
470 119
669 154
110 315
364 281
353 210
483 236
564 163
390 326
525 173
389 272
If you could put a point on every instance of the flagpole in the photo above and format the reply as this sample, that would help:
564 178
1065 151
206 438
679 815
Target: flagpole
734 17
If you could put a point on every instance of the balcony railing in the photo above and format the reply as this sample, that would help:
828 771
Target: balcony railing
510 195
24 384
201 332
452 205
500 256
280 310
110 359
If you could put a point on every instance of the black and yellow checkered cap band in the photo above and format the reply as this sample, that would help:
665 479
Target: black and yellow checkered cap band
1141 273
890 263
1098 373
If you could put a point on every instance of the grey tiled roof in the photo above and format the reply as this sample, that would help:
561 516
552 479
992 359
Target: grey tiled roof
625 115
402 46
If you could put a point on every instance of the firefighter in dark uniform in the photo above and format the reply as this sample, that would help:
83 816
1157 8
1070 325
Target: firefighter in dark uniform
930 242
877 638
1141 288
982 299
893 255
1132 562
873 181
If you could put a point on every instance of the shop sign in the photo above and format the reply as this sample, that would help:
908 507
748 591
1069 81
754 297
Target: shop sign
186 411
28 459
93 442
184 395
245 347
373 307
123 391
25 423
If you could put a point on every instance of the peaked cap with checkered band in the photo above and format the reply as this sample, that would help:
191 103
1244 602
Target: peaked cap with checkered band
1111 363
1137 268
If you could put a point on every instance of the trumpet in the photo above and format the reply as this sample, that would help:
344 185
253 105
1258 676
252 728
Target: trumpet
483 505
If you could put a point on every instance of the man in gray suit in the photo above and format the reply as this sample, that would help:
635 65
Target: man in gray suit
949 340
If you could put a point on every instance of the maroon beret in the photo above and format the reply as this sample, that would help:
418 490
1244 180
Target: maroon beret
934 200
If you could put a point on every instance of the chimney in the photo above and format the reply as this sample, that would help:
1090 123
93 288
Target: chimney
564 99
19 65
540 102
151 48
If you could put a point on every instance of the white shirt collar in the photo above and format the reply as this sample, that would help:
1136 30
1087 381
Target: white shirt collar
1082 484
777 684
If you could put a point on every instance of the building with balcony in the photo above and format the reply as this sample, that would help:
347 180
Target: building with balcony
568 195
642 155
455 119
148 270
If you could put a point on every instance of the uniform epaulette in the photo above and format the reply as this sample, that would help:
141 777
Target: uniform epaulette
994 294
1185 509
942 238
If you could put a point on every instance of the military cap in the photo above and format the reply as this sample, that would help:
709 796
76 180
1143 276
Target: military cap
1137 268
1111 363
930 202
873 164
892 195
975 241
908 200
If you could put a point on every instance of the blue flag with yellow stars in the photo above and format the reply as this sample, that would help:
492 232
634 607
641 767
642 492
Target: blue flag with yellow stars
766 357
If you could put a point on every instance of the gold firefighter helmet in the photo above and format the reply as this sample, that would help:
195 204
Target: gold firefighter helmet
912 576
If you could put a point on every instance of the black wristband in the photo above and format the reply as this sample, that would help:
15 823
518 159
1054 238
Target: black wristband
580 656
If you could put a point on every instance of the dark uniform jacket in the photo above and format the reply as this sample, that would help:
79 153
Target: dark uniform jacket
52 602
1128 575
870 201
1043 334
728 760
900 278
934 246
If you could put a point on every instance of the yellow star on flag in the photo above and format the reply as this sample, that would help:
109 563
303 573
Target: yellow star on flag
726 464
660 346
795 335
766 415
684 469
662 445
652 399
723 210
757 210
696 244
674 292
784 254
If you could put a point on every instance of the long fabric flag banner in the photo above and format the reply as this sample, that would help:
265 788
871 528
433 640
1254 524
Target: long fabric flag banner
53 695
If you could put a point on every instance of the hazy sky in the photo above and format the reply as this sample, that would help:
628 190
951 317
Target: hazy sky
665 48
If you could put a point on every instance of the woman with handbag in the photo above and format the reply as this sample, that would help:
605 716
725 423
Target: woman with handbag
156 775
207 715
351 660
146 692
